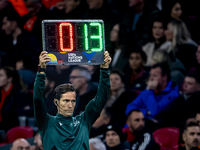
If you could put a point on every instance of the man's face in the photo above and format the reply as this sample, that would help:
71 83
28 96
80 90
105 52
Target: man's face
8 26
156 75
115 82
71 5
136 121
133 3
190 86
66 104
112 138
135 61
76 79
20 144
198 118
95 4
191 137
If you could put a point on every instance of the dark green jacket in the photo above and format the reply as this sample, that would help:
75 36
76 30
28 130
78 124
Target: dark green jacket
68 133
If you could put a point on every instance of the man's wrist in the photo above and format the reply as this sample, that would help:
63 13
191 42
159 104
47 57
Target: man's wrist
102 66
42 69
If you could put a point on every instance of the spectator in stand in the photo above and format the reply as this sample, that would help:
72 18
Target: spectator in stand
5 8
135 77
98 129
185 107
191 137
38 141
159 94
70 9
105 10
172 9
13 99
86 90
114 138
157 40
135 74
118 38
117 86
137 134
140 15
32 20
20 144
177 69
182 47
191 93
20 45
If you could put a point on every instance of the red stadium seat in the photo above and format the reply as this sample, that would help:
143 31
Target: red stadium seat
167 138
3 144
19 132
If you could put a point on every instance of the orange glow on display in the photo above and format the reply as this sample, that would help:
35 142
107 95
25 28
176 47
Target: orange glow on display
71 40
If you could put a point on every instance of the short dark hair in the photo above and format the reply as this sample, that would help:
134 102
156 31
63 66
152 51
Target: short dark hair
139 51
164 69
13 16
12 73
194 74
120 73
161 20
134 110
190 124
63 88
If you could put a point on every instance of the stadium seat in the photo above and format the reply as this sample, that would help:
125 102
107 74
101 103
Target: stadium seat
19 132
167 138
3 144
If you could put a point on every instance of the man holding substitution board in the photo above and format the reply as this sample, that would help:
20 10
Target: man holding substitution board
64 132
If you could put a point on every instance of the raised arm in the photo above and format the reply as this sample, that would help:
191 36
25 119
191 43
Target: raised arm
95 106
40 111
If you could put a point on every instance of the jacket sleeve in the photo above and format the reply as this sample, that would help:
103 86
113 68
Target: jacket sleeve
95 106
166 99
156 107
137 104
40 111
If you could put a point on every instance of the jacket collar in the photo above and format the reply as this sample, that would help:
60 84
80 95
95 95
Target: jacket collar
169 87
60 116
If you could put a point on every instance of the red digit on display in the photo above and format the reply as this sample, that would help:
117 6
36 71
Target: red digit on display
70 37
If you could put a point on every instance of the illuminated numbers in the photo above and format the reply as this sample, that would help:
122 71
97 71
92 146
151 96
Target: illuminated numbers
86 36
99 37
71 47
67 42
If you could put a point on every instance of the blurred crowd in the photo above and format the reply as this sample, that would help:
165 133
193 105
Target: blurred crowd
154 73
